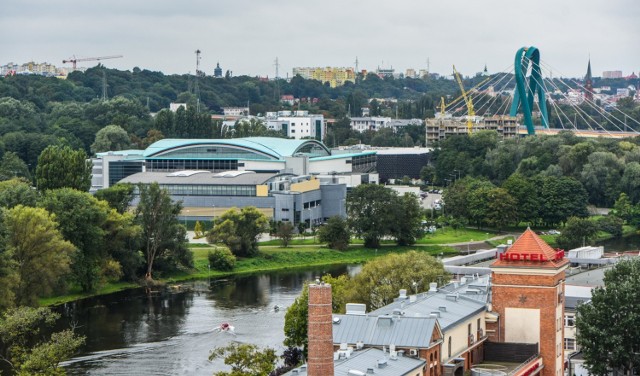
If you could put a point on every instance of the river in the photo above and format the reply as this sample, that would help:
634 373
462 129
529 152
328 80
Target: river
172 332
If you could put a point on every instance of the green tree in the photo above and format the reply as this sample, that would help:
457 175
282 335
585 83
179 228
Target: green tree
630 182
245 359
239 230
335 233
370 215
12 166
28 350
296 318
60 167
607 347
83 219
111 138
284 232
8 275
577 232
501 208
39 251
526 195
118 196
380 279
163 237
16 192
562 198
601 177
407 222
623 208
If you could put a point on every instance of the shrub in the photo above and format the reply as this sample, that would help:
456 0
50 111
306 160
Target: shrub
221 259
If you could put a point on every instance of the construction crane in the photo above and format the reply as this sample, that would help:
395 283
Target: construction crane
73 60
467 100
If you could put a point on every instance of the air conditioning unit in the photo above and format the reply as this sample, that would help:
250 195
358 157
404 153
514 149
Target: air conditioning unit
413 352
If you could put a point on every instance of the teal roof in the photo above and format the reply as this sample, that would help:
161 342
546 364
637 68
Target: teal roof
278 148
347 155
126 153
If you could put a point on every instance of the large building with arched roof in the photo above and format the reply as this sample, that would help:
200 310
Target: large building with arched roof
289 180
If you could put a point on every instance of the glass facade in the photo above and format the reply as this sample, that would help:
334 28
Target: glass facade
119 170
211 152
214 165
313 150
363 163
210 190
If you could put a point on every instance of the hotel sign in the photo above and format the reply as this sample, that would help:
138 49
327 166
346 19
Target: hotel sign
559 255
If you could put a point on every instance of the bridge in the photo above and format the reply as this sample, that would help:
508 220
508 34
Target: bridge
524 99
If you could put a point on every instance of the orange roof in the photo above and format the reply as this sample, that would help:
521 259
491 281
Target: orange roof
530 250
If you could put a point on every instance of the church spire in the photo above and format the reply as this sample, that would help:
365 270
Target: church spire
588 83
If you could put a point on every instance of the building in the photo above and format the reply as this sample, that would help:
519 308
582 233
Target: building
235 111
442 127
575 296
612 74
276 175
297 124
396 163
173 107
332 75
528 297
371 123
217 71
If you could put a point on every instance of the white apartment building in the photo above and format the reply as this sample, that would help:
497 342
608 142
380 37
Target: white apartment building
372 123
297 124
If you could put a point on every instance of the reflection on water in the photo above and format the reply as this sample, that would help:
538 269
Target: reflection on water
170 332
628 243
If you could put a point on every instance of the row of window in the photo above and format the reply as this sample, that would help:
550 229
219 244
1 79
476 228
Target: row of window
210 190
191 164
213 151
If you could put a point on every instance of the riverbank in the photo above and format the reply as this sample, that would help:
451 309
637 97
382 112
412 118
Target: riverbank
269 259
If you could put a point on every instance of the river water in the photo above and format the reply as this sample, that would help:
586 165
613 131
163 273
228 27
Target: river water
172 332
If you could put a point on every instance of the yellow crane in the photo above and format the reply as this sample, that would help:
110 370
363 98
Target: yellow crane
467 100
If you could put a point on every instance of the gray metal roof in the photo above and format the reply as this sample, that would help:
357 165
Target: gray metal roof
363 360
199 178
403 331
476 287
450 308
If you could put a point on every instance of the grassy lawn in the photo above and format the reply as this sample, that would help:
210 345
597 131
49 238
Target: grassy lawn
449 235
268 259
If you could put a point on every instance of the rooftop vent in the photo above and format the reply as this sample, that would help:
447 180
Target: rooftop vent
382 363
398 312
452 297
370 371
412 298
433 287
355 372
356 309
403 293
435 313
336 320
359 345
442 309
384 321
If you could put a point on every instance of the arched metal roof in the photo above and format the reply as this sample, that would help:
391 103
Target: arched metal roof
277 148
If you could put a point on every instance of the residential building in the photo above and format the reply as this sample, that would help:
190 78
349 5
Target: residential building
297 124
235 111
333 75
173 107
372 123
441 127
612 74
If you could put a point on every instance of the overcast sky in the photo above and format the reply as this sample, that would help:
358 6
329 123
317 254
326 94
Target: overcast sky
246 36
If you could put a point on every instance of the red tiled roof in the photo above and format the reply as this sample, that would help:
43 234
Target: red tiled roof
532 251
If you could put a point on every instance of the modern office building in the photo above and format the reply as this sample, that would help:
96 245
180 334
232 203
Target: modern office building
297 124
281 177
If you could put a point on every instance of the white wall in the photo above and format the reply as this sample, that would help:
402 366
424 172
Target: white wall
522 325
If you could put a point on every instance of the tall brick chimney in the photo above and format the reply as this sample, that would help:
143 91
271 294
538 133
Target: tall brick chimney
320 331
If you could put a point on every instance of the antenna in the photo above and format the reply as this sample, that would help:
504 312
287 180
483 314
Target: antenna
196 87
356 65
428 66
277 65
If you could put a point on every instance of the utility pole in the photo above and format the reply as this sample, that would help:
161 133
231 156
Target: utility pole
277 91
104 85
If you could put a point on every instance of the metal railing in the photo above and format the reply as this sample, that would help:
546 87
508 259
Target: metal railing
524 364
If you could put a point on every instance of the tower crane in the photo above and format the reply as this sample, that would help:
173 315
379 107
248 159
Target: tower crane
467 100
73 60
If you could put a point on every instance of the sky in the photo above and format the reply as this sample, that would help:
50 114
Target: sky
246 36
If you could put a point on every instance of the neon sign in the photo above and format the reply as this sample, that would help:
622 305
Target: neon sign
559 255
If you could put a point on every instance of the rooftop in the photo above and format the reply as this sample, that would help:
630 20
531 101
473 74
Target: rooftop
361 361
529 250
190 177
373 330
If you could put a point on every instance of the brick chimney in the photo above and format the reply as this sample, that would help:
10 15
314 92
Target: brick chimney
320 331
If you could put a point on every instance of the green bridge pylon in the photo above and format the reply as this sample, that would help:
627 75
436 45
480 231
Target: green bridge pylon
525 91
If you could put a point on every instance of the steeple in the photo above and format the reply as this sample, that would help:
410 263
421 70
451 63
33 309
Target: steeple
588 83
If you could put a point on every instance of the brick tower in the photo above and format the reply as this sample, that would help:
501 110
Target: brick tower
528 293
320 331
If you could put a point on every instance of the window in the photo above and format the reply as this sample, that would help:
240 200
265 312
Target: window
569 321
570 344
285 209
449 347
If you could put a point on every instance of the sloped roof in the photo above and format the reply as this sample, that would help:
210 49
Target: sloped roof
450 308
275 147
384 330
530 244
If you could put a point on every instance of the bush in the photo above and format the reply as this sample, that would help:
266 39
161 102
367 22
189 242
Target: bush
221 259
335 233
